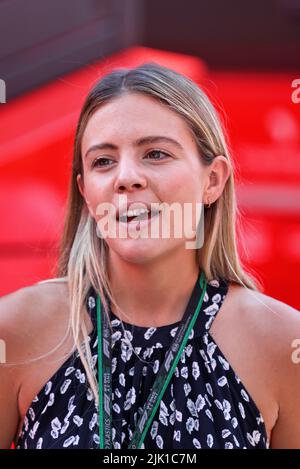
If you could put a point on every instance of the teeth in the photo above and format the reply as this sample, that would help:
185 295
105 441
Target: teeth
135 213
139 213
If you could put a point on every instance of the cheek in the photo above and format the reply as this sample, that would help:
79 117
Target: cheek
183 182
95 194
185 188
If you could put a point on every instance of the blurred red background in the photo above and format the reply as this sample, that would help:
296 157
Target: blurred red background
263 124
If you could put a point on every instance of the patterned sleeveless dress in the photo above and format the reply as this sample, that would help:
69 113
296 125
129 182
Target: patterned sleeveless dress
204 406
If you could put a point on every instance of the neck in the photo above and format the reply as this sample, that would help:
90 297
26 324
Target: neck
153 294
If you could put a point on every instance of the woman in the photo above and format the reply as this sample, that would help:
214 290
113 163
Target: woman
133 315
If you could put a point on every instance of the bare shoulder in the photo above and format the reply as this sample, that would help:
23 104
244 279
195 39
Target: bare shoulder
270 319
27 312
274 327
29 321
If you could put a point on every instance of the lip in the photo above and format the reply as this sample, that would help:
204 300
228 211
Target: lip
135 205
140 224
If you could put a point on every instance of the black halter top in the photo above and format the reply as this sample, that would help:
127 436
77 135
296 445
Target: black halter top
205 405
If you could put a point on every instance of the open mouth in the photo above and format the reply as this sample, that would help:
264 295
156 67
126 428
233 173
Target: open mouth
138 215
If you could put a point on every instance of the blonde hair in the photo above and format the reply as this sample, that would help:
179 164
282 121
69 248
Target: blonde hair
83 255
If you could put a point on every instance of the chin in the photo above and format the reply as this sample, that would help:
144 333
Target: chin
137 251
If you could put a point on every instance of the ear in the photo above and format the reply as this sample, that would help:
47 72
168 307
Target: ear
217 174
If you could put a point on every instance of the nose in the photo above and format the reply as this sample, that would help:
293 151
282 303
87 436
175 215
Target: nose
129 179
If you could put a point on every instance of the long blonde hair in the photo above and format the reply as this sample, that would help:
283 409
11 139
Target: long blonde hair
83 255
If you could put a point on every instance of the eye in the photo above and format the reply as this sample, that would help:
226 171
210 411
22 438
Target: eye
102 162
156 153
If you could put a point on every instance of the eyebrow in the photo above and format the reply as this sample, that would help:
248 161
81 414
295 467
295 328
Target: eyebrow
137 143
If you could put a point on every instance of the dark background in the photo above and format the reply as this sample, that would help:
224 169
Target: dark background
42 39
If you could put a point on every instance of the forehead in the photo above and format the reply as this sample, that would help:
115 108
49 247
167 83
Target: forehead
134 115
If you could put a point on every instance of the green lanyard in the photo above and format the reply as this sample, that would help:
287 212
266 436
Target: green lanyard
163 377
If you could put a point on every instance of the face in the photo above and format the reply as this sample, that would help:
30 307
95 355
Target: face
122 163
